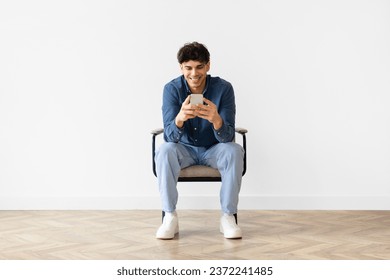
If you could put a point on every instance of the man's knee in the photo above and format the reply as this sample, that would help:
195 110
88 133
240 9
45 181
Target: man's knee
166 151
233 151
167 148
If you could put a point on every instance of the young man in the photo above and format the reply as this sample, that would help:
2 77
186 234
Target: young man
198 134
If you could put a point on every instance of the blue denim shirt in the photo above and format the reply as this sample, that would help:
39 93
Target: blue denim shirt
197 131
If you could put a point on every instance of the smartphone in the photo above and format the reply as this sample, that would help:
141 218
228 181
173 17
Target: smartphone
196 99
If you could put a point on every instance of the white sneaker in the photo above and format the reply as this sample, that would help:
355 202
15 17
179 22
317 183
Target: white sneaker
169 227
229 228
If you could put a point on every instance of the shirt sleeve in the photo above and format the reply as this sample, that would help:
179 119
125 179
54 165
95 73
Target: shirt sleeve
170 108
227 111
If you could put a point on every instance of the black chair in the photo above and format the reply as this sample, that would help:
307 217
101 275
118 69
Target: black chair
198 173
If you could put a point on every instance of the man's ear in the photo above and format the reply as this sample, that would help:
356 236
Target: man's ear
208 66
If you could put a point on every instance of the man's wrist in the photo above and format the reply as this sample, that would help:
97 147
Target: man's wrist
218 123
178 123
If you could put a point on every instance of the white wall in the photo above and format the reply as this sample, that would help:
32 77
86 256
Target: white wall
81 84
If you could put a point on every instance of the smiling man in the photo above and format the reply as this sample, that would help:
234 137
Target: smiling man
199 134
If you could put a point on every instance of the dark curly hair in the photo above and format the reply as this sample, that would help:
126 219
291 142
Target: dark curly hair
193 51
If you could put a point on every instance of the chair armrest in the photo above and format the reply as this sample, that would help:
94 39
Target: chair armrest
157 131
241 130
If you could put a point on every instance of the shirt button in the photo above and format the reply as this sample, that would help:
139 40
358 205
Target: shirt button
196 140
195 128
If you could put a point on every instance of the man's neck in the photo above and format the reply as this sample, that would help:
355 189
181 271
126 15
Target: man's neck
198 90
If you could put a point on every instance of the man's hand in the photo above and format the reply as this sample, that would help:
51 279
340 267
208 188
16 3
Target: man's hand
209 112
187 111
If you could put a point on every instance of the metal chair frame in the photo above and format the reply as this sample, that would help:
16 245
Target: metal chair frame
156 132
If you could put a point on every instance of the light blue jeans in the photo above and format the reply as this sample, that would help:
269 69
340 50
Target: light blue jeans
226 157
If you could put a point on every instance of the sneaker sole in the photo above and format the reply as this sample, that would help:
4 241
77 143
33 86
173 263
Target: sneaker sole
169 237
233 236
166 238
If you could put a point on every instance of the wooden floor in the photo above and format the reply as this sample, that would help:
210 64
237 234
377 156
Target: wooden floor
113 235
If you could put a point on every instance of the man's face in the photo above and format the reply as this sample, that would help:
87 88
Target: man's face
195 73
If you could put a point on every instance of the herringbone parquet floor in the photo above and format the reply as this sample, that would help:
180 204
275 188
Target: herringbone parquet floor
277 235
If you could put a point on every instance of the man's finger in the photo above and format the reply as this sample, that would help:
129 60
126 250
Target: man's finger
208 102
187 101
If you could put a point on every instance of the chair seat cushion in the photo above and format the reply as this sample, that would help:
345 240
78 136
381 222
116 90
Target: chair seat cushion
199 171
